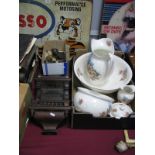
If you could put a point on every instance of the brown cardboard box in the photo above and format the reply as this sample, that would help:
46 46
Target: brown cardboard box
24 100
59 68
81 120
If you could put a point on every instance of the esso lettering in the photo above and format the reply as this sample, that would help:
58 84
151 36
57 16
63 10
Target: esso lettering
31 21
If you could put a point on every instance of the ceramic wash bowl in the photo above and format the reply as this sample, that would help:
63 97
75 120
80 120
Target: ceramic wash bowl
119 76
89 101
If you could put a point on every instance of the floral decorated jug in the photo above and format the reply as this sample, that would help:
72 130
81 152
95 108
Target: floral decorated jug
126 94
99 63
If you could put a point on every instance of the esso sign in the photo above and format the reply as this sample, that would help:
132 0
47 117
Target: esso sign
35 18
31 21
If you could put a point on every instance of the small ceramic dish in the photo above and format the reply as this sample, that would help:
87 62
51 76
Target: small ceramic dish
88 101
119 76
119 110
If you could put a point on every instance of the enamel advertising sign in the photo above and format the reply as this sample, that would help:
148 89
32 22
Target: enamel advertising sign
118 23
56 20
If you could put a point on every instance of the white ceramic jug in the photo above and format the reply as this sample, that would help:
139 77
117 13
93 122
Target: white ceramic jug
99 63
126 94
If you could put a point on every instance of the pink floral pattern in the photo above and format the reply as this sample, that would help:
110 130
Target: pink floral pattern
93 74
80 101
108 42
123 74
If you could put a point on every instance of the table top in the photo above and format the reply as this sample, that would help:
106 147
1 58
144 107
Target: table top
70 141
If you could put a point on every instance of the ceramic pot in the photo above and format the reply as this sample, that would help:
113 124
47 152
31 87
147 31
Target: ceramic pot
126 94
92 102
100 61
119 110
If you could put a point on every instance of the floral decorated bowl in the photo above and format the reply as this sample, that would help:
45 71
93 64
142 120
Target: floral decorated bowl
89 101
119 110
119 76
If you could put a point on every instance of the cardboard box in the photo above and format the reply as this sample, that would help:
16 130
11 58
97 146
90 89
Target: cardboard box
81 120
24 100
58 68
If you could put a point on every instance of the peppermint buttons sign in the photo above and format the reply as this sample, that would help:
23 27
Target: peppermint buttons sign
35 18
